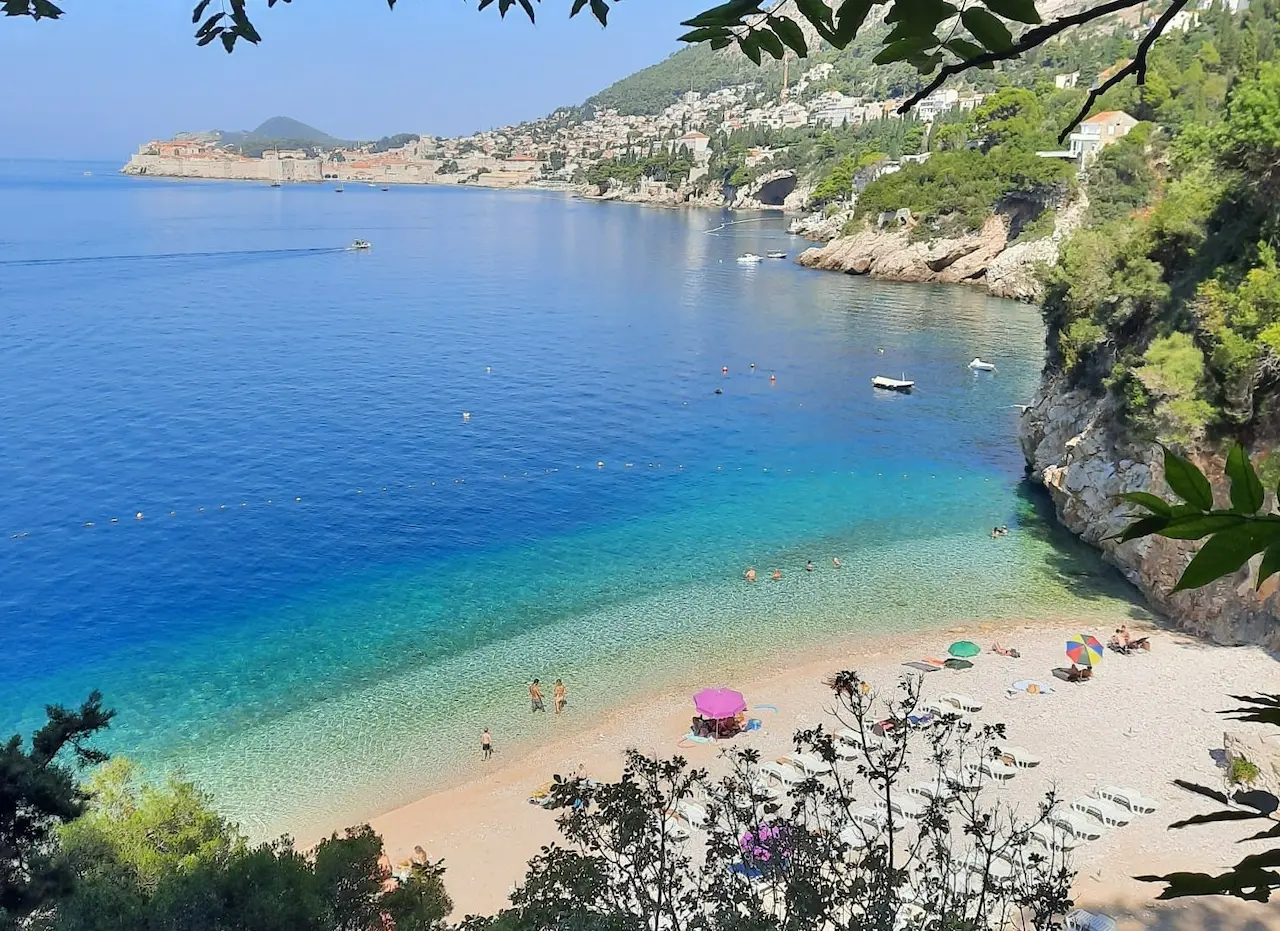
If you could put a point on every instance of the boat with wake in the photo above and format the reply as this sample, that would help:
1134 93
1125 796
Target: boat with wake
749 258
979 366
358 244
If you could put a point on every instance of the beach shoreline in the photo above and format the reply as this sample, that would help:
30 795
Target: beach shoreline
485 829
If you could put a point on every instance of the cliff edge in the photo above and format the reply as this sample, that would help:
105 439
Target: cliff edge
1076 447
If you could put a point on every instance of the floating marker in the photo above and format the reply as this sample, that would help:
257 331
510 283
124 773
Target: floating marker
138 516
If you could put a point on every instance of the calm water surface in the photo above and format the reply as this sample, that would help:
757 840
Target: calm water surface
336 580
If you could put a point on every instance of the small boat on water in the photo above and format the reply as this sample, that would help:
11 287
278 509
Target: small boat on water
777 255
749 258
893 384
979 366
275 183
358 244
371 184
338 189
88 174
386 188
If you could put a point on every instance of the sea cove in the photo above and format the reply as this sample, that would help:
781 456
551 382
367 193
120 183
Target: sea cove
309 582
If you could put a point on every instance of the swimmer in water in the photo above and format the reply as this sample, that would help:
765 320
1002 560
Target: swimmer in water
750 574
835 561
777 575
808 566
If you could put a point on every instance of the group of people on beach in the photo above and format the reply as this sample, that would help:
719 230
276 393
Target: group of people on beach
559 696
776 574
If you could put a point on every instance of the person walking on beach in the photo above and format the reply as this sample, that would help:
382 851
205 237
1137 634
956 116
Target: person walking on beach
535 697
558 695
486 745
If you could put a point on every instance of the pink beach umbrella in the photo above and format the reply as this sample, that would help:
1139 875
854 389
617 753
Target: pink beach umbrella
719 703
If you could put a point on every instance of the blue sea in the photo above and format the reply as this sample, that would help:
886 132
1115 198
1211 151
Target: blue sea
241 497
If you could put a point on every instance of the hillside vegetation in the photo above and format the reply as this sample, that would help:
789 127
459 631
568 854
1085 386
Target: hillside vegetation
1170 298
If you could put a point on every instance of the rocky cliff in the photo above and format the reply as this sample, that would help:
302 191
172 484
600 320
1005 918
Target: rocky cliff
985 258
1077 449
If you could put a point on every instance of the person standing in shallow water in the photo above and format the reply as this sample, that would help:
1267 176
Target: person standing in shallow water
486 745
558 695
535 697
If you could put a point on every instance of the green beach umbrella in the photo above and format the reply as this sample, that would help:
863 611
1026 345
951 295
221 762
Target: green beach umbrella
958 664
964 648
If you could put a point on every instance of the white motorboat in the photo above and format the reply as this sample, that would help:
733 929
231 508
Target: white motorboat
777 255
979 366
749 258
893 384
358 244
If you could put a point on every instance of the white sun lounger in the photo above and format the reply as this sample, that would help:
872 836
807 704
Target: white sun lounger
855 836
902 807
963 702
846 752
761 785
869 817
1109 813
675 828
1085 829
1080 920
928 791
691 812
781 772
1131 799
993 768
854 739
965 779
1055 837
808 763
998 868
1020 756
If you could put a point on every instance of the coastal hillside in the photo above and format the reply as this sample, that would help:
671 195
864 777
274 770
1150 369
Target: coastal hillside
1163 312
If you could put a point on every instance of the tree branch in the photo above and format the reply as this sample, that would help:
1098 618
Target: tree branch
1137 66
1027 41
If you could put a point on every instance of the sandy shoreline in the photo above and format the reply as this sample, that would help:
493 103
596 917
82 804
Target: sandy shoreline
486 830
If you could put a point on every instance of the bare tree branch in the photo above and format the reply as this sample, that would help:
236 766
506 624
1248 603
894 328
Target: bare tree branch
1137 66
1036 37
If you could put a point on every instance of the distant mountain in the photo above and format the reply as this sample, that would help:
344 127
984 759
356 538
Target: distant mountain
282 127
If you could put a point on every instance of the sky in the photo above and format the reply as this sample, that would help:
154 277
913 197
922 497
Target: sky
110 76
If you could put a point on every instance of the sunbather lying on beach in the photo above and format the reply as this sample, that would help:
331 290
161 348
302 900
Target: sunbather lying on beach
1005 651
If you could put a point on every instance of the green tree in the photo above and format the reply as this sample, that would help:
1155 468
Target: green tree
38 794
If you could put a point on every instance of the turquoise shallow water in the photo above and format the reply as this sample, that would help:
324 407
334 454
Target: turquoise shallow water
336 581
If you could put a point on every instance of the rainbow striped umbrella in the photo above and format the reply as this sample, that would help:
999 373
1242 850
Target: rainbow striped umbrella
1084 650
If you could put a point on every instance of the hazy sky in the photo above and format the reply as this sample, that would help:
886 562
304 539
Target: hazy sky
108 76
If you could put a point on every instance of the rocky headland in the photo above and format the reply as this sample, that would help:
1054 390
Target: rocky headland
1077 447
993 258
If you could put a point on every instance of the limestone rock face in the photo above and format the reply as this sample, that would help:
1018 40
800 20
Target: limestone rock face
890 254
984 258
1075 447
